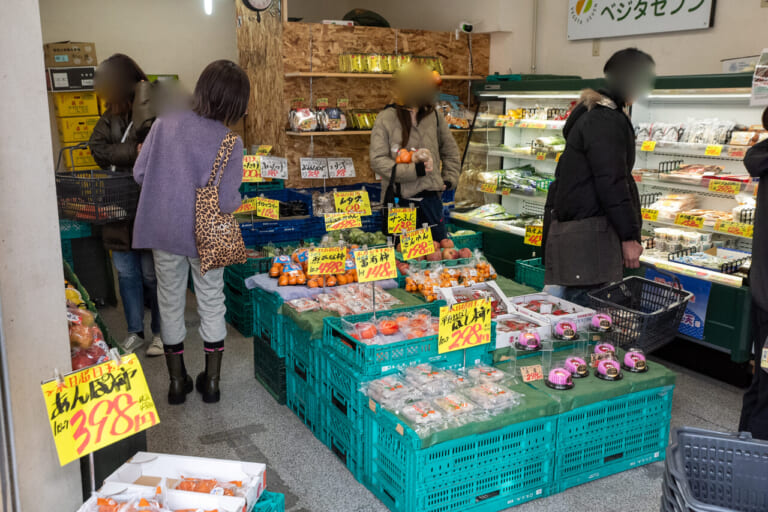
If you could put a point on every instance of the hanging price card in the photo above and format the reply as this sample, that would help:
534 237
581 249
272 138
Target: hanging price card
342 102
541 156
249 205
713 150
326 260
341 168
533 235
297 103
337 221
251 169
353 201
263 150
464 325
322 102
401 219
489 188
274 167
648 145
649 214
375 264
689 221
417 243
532 373
725 187
314 168
268 208
735 228
98 406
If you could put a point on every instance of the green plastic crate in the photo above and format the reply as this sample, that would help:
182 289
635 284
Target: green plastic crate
346 441
269 369
269 321
530 273
339 388
465 241
270 502
246 188
302 400
302 353
66 252
70 229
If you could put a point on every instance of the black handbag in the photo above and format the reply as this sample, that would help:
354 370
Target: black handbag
392 192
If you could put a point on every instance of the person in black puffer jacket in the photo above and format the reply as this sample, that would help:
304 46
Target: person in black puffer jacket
592 216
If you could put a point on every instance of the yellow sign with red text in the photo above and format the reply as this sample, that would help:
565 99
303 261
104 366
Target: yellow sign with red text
249 205
533 235
649 214
735 228
375 264
417 243
326 260
98 406
724 187
337 221
401 219
648 145
268 208
353 201
464 325
252 169
689 221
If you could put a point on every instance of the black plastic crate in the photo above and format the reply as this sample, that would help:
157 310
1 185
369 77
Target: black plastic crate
96 196
269 369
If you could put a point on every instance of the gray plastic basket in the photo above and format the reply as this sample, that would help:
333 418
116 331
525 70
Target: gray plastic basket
715 472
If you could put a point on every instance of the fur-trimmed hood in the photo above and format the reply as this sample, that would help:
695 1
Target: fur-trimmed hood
591 98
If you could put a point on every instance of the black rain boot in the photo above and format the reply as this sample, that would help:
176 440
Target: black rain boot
208 381
181 382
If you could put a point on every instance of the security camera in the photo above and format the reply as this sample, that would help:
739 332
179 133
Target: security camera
466 27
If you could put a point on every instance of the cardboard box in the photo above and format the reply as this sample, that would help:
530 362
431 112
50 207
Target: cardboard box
580 315
508 338
67 54
70 79
69 104
172 500
76 129
83 159
147 469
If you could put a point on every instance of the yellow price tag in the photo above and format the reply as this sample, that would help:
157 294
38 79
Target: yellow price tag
337 221
252 169
499 122
326 260
541 156
735 228
713 150
689 221
538 126
523 124
464 325
249 205
724 187
648 145
510 123
353 201
505 191
401 219
417 244
557 156
375 264
649 214
98 406
268 208
489 188
533 235
263 150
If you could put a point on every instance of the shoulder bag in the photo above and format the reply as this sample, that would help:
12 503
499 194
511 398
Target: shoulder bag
219 240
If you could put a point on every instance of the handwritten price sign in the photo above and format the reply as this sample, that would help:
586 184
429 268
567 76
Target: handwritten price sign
648 145
314 168
713 150
541 156
649 214
489 188
689 221
252 169
464 325
417 244
268 208
532 373
725 187
341 168
98 406
533 235
353 201
735 228
263 150
326 260
375 264
274 167
249 205
337 221
401 219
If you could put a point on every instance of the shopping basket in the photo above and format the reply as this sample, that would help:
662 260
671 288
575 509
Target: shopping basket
715 472
645 314
95 196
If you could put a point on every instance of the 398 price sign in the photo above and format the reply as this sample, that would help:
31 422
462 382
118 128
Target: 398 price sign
464 325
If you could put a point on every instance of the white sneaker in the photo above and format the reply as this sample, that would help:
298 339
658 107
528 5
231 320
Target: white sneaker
156 348
131 342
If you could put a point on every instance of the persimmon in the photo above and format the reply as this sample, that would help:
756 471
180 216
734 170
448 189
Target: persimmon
283 280
388 327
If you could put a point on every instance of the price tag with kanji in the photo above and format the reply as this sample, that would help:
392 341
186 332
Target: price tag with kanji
342 102
499 122
98 406
464 325
274 167
510 123
337 221
341 168
401 219
689 221
489 188
322 102
735 228
268 208
314 168
252 169
533 235
375 264
297 103
417 244
648 145
326 260
249 205
263 150
532 373
649 214
713 150
353 201
541 156
724 187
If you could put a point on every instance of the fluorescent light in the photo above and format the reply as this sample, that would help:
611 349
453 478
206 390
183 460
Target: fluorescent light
208 6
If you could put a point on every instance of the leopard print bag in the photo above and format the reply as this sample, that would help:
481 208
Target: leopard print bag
219 240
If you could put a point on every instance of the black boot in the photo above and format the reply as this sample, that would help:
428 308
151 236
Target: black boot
208 381
181 382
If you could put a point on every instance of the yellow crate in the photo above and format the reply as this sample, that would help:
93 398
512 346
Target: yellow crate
102 105
76 129
82 157
69 104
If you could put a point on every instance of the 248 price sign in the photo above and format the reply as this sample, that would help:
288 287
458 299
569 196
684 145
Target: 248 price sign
464 325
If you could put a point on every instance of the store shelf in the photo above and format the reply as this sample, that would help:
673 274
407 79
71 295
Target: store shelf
698 273
488 224
323 74
705 229
532 124
541 157
507 192
696 150
673 185
342 133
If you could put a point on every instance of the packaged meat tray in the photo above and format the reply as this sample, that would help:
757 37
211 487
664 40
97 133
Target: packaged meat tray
691 174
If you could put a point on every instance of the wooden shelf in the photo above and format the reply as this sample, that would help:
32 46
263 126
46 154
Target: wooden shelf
342 133
323 74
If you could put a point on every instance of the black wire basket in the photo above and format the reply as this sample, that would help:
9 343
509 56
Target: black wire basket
645 314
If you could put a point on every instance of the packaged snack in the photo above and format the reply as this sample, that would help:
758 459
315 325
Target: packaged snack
388 390
453 405
565 330
303 120
528 340
577 367
493 397
601 322
304 304
482 373
332 119
422 413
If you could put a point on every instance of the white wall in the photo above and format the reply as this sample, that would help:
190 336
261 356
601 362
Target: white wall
163 36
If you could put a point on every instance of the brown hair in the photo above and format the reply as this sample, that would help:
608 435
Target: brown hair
404 115
122 73
222 92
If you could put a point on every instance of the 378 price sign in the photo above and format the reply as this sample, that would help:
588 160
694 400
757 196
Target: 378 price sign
417 244
464 325
375 264
98 406
337 221
326 260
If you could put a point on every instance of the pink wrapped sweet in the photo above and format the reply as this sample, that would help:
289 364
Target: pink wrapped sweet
635 362
576 366
528 341
608 369
601 322
559 378
602 348
565 330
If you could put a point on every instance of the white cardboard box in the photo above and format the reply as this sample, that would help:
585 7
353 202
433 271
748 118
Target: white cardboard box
509 338
581 315
149 469
172 500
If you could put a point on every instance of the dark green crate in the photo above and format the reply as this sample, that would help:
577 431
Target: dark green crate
246 188
530 273
269 369
465 241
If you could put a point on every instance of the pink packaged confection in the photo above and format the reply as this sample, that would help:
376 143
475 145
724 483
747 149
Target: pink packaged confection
559 378
577 367
609 369
634 361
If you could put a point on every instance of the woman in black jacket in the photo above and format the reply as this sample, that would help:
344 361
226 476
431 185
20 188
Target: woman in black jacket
114 147
592 216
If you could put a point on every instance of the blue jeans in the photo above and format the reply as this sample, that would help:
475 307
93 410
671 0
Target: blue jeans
135 276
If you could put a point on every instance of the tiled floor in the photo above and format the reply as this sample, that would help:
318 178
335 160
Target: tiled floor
249 425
